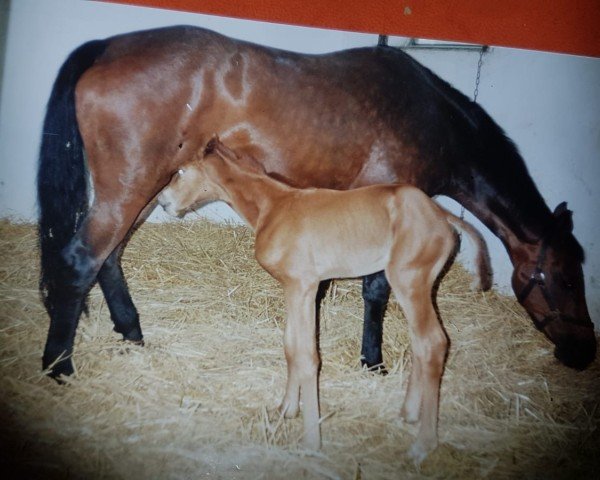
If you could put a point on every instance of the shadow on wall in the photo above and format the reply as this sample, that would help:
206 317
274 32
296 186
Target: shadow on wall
4 8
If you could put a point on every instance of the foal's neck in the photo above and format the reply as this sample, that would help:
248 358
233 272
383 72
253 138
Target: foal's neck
249 193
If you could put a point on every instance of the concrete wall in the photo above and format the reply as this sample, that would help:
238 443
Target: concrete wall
549 104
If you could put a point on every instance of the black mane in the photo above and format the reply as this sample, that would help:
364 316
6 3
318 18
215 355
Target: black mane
479 145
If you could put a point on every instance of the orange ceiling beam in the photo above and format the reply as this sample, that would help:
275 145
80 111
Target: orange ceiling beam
566 26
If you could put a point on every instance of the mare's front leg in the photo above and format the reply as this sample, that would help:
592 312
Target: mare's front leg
376 293
300 344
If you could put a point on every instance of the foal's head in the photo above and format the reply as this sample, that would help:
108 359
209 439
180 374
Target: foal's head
192 185
199 181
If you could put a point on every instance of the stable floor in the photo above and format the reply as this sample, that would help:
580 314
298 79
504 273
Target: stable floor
199 400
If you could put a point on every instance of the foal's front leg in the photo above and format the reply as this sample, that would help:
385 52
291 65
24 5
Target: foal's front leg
429 346
300 344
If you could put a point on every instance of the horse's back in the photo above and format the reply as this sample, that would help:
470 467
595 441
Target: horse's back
339 120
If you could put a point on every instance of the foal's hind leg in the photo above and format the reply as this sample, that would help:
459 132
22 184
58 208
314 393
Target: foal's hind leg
429 346
412 273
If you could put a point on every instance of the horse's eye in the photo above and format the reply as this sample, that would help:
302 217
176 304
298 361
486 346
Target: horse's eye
566 284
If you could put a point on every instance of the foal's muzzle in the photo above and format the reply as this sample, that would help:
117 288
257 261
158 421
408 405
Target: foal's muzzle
167 205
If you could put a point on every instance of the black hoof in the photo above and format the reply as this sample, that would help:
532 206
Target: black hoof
139 343
378 368
56 370
133 336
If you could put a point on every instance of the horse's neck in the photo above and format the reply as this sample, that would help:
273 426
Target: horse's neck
519 221
494 184
250 194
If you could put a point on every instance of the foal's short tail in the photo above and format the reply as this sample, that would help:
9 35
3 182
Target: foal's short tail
62 176
482 257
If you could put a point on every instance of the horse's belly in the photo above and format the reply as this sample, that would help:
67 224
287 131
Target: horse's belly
346 249
348 263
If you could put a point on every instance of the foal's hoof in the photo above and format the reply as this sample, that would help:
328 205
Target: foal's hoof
287 410
312 440
419 452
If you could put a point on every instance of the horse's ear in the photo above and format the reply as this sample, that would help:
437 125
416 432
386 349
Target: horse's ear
560 209
564 217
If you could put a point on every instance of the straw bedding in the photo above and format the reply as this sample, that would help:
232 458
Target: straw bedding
198 401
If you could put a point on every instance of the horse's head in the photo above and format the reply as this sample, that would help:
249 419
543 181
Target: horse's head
549 284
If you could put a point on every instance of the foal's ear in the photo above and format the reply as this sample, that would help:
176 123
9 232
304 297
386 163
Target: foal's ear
250 163
216 146
212 144
564 217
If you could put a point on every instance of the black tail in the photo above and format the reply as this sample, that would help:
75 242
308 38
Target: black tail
62 176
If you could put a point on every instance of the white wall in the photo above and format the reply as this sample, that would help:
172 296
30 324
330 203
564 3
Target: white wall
549 104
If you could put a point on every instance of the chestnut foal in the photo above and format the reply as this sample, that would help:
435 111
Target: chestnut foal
306 236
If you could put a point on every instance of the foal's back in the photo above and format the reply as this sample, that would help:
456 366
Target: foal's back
332 234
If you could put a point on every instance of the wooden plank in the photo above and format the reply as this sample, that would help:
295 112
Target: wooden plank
567 26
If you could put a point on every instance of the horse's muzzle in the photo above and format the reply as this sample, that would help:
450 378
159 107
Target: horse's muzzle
576 350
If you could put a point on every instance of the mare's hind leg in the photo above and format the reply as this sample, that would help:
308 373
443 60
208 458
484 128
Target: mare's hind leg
375 292
122 309
123 313
102 231
65 300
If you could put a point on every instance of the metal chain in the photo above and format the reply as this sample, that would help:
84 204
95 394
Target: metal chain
478 77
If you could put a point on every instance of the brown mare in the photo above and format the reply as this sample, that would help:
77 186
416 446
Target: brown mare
305 236
142 104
